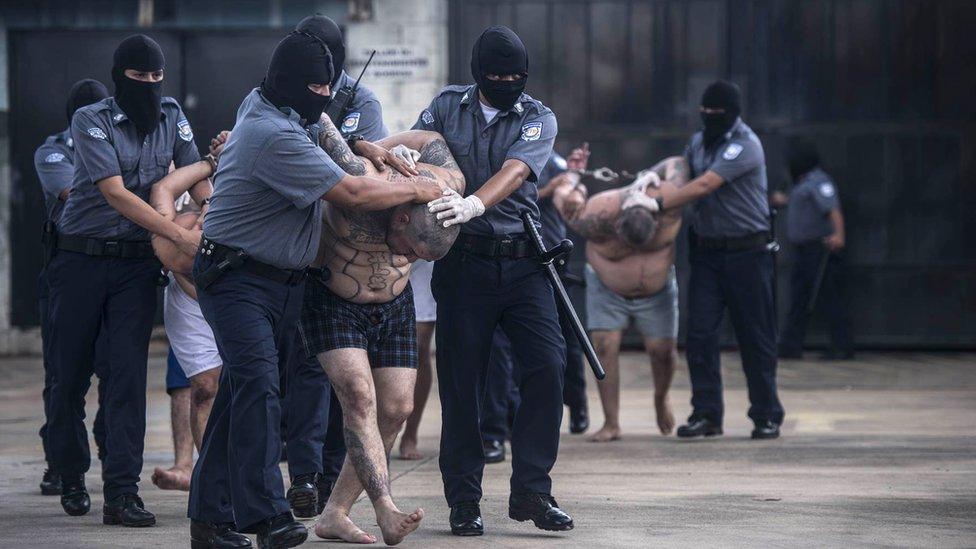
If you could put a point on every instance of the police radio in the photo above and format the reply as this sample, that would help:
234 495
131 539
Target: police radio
341 99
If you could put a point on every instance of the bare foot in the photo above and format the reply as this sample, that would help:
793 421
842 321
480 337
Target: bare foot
665 419
339 526
396 525
606 434
174 478
408 448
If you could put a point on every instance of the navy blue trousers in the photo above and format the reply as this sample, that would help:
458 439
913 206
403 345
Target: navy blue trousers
502 397
313 418
475 295
832 298
92 298
741 281
237 478
99 367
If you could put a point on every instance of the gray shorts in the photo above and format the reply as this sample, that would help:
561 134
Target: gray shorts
654 316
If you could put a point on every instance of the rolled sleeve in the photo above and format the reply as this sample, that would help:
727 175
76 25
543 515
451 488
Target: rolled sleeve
185 150
55 171
535 142
297 169
371 121
93 150
736 159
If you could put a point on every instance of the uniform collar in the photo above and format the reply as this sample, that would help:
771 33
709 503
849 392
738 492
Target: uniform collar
342 81
471 98
815 175
288 112
118 115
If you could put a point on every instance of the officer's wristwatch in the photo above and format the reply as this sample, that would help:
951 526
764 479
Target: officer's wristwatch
212 160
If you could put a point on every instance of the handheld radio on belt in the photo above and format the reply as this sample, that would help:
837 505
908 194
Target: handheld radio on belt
341 99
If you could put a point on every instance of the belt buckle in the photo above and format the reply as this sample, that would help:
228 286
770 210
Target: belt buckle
111 247
506 247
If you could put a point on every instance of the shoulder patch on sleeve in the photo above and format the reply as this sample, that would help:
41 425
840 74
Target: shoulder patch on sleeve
427 117
351 122
186 132
97 133
732 151
531 131
826 189
54 158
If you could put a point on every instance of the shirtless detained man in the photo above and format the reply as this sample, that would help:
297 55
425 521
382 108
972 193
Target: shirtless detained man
190 336
358 320
629 275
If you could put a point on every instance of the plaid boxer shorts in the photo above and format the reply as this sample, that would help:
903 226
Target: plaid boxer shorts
387 331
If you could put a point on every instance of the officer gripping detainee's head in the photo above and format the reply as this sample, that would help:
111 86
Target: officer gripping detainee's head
499 53
416 232
137 71
84 93
299 60
326 30
802 157
720 107
636 223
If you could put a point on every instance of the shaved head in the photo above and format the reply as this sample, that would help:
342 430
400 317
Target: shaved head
637 226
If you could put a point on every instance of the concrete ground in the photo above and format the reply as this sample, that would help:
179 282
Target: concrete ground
877 452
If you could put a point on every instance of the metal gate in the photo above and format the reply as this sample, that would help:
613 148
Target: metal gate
884 88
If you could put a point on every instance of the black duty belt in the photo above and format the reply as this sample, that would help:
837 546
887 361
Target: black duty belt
127 249
228 258
514 246
749 242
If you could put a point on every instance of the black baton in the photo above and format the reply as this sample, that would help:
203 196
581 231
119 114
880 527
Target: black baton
546 258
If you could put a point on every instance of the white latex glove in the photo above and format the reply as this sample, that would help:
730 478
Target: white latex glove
406 154
636 199
455 209
645 179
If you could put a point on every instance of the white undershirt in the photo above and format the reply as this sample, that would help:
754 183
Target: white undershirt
489 112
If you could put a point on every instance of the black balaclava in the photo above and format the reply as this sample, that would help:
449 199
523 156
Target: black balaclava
720 94
298 60
84 93
802 157
139 100
500 51
326 30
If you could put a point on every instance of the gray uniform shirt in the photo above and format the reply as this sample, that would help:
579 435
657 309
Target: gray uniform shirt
740 206
808 216
525 132
107 144
553 227
268 186
365 115
55 165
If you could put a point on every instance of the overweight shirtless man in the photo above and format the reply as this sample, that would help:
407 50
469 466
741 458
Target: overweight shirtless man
629 276
358 320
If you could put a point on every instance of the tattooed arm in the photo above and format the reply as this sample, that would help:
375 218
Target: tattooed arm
674 170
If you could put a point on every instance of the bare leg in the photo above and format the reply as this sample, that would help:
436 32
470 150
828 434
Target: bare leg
664 355
367 445
203 389
607 344
177 477
408 442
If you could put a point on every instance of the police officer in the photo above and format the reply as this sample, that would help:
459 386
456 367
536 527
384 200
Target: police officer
815 227
103 276
260 234
316 448
54 162
502 139
730 264
502 398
